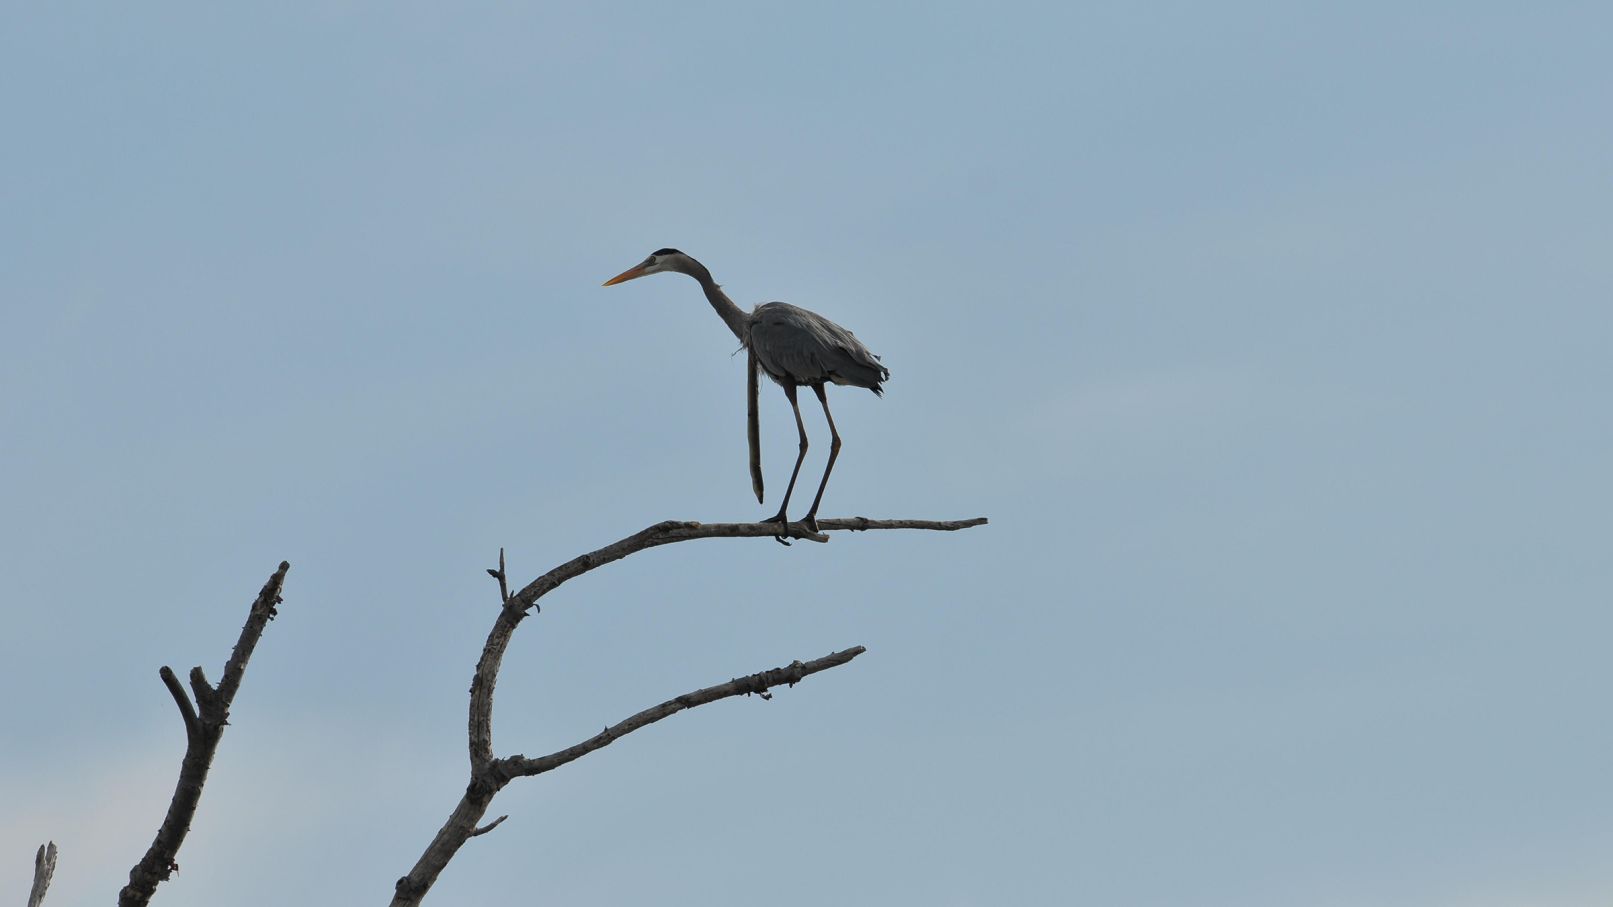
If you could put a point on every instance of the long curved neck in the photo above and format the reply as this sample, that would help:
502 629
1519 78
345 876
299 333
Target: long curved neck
731 314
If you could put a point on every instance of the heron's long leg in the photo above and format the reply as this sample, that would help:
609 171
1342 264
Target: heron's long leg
800 427
811 518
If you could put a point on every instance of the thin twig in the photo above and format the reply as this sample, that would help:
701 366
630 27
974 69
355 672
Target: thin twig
204 726
760 683
503 578
44 868
488 827
192 729
861 523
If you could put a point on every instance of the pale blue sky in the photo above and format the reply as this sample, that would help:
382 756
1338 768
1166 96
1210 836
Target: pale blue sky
1273 340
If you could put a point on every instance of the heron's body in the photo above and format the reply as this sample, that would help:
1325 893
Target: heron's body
794 347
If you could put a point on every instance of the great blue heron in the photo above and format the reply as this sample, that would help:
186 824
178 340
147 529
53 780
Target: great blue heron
794 347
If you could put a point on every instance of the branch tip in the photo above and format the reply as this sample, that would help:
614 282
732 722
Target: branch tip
759 683
44 868
503 578
488 827
186 711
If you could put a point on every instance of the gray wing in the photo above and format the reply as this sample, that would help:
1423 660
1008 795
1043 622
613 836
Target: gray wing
793 344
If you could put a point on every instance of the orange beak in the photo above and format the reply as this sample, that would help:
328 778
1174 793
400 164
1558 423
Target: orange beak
629 274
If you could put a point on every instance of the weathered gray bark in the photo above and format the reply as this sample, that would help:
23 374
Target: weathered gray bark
488 775
204 726
44 868
494 775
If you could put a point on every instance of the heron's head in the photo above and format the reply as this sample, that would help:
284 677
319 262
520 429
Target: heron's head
659 260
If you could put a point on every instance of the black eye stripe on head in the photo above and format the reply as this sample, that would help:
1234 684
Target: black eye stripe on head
659 252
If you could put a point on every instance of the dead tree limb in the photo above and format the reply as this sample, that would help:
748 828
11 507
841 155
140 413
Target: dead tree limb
516 605
44 868
759 683
493 776
204 726
489 775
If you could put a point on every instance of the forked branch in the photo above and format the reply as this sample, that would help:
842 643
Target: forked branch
492 777
488 775
666 533
44 868
204 726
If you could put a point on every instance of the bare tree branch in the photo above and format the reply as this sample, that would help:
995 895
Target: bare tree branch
489 775
862 523
492 778
263 611
192 729
503 578
498 639
204 726
44 868
488 827
760 683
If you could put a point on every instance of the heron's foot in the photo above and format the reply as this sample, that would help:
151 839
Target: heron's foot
783 538
810 521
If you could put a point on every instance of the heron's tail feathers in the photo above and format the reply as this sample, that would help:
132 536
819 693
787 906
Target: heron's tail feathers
863 373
